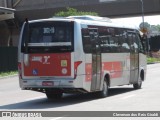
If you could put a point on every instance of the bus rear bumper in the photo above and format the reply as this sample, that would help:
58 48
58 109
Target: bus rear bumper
65 85
47 83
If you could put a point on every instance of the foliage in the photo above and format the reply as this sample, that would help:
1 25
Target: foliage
149 27
152 60
158 27
145 25
2 74
73 12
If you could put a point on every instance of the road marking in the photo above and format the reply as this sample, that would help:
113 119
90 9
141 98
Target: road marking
57 118
129 96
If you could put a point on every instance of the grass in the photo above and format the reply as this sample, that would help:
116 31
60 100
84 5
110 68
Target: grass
3 74
153 60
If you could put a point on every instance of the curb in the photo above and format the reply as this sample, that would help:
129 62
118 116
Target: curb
150 63
8 76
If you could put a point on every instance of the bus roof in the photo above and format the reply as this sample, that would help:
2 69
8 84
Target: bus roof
93 18
87 19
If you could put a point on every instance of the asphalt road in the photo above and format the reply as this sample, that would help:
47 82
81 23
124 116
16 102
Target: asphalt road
123 98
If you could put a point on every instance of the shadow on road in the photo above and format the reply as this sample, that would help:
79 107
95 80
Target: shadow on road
68 99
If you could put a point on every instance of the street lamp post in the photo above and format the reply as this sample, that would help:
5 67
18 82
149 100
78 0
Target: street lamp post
143 28
142 6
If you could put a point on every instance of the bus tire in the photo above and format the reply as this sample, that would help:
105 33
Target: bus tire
104 92
54 96
138 85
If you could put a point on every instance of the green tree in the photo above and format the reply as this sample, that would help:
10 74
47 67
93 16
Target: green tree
145 25
158 27
73 12
154 28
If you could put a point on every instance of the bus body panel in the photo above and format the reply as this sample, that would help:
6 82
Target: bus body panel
54 64
117 66
78 57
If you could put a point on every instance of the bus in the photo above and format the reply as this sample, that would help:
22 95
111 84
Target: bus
79 54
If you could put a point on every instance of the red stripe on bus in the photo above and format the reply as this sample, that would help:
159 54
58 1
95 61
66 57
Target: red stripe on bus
88 71
115 68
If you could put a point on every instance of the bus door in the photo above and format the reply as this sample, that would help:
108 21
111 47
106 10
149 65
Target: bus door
96 59
134 58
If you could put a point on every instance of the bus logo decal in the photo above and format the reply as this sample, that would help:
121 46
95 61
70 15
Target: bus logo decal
37 58
46 60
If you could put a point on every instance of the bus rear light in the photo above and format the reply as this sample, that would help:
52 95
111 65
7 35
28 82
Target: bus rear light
20 70
76 64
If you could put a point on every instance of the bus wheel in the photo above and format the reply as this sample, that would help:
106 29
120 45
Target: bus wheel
54 95
138 85
104 92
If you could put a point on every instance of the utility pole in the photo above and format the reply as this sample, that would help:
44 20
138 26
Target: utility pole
142 6
143 28
5 3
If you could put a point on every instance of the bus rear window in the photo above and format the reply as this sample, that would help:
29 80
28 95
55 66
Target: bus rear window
55 36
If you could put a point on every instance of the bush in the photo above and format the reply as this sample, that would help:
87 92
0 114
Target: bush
73 12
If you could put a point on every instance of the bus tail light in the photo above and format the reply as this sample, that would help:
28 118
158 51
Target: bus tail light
76 64
20 70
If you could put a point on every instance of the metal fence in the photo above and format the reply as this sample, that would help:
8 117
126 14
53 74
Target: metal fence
8 59
155 43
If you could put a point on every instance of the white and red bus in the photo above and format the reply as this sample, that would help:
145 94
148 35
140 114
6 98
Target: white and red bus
79 55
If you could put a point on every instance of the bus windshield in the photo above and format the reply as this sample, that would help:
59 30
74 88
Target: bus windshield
47 37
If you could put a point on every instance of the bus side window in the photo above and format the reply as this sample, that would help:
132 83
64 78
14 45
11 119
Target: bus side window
104 40
94 38
105 45
115 41
86 39
135 42
141 46
125 44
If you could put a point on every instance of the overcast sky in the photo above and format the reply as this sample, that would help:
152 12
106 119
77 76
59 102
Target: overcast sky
135 21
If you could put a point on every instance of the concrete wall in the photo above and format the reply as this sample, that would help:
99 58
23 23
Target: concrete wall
15 36
4 34
119 8
45 4
8 36
2 3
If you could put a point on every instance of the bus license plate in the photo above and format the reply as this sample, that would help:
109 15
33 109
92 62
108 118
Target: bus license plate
47 83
